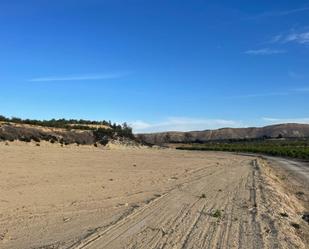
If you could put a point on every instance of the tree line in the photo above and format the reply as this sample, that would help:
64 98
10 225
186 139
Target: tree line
112 129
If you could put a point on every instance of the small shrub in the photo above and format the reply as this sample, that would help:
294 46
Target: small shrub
217 214
284 214
295 225
25 139
35 139
104 141
305 217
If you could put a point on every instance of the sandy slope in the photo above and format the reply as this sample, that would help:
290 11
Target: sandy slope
84 197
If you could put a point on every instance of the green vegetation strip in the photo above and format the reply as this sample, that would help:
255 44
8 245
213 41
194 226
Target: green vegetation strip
293 148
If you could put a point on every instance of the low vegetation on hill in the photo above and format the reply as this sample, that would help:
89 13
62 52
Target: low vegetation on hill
294 148
63 131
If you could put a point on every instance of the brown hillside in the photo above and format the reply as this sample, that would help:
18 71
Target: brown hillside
273 131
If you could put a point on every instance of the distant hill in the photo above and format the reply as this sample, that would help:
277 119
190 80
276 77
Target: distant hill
272 131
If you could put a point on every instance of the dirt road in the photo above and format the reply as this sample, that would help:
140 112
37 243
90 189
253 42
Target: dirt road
55 197
299 169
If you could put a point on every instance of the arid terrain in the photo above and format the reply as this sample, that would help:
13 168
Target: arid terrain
271 131
89 197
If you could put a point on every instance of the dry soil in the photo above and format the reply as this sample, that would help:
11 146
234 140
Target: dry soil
87 197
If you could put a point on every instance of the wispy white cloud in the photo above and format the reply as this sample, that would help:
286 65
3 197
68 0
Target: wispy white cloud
140 125
79 77
302 38
296 37
301 90
281 13
259 95
264 51
285 120
182 124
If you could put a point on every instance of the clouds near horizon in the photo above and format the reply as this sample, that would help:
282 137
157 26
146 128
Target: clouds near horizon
199 124
182 124
286 120
79 77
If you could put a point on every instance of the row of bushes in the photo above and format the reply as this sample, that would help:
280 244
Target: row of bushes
293 149
57 123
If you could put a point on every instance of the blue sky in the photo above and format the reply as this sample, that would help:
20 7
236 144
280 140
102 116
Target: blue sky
157 64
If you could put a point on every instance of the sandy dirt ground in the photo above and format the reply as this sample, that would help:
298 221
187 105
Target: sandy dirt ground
86 197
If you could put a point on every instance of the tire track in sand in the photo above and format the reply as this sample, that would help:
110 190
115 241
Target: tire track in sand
182 219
